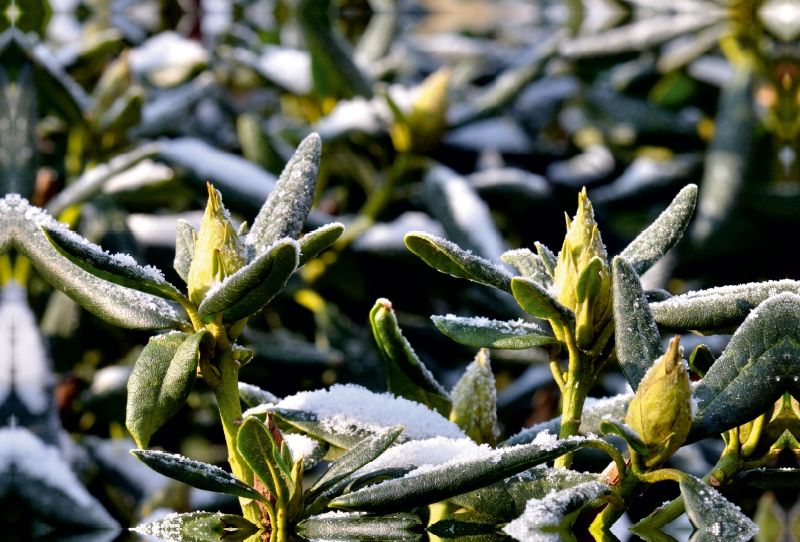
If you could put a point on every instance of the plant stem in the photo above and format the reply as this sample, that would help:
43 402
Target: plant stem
573 397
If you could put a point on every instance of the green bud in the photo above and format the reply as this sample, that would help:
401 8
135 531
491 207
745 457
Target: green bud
583 276
661 410
218 251
475 401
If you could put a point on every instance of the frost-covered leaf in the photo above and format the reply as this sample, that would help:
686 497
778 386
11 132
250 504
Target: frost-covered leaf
285 211
539 303
547 519
346 414
433 484
611 426
718 308
530 266
161 381
486 333
637 339
20 227
714 517
199 527
449 258
475 401
594 412
253 396
466 527
185 238
353 459
357 526
549 259
318 240
760 363
258 448
655 241
406 375
195 473
505 500
250 288
119 269
311 450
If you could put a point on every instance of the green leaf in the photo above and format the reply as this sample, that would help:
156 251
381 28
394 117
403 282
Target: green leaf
449 258
611 426
475 401
594 412
555 513
655 241
356 457
318 240
449 480
637 339
406 375
486 333
185 238
537 302
701 359
259 450
761 362
717 308
200 527
358 527
161 381
196 473
253 286
530 265
466 527
287 207
20 228
773 479
254 396
117 269
505 500
549 259
714 517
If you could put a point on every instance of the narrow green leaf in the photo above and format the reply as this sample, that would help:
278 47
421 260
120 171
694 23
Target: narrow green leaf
286 208
773 479
161 381
449 480
254 396
196 473
358 527
356 457
249 289
185 238
486 333
119 269
199 527
714 517
530 265
655 241
449 258
20 228
637 339
466 527
590 281
318 240
475 401
701 359
718 308
406 375
611 426
539 303
549 259
259 450
553 515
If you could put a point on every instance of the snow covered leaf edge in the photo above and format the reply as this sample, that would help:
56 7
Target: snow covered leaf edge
486 333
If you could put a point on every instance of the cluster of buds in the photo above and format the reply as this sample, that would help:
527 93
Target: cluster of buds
661 410
583 276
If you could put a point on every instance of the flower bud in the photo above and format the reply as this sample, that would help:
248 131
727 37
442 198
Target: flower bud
475 401
582 275
661 410
218 251
422 127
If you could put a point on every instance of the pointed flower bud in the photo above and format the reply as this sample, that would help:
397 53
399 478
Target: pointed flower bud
218 251
475 401
583 276
661 410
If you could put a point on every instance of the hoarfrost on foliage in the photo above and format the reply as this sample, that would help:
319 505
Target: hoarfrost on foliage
351 409
300 445
24 364
339 514
550 511
422 453
508 327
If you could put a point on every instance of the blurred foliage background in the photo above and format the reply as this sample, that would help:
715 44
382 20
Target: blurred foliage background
476 120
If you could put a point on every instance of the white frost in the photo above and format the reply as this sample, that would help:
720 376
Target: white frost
301 445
